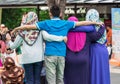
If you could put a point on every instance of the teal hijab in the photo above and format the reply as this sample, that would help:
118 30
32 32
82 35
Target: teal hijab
93 15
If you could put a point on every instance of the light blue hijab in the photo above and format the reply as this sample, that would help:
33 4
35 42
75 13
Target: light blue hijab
93 15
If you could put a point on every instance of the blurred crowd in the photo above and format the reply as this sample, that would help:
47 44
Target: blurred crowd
6 39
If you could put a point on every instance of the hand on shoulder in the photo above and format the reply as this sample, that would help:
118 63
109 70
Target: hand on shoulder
65 39
99 23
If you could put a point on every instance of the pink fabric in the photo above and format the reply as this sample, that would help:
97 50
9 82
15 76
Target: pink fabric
0 64
76 41
73 18
2 50
3 46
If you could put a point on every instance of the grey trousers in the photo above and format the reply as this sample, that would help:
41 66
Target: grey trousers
55 69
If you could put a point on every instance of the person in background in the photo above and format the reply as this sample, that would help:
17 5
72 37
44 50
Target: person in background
43 75
109 40
3 29
2 50
99 59
3 46
10 73
10 53
23 21
109 35
55 52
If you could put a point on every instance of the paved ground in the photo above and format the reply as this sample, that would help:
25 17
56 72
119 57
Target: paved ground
115 74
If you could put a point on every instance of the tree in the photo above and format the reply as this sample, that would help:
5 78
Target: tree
11 17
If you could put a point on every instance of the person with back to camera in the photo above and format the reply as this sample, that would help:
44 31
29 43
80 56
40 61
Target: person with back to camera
32 49
77 61
55 51
78 53
100 73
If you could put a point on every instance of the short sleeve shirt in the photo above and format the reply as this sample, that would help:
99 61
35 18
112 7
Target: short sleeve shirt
56 27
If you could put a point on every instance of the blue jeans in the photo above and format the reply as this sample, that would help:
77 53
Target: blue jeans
32 72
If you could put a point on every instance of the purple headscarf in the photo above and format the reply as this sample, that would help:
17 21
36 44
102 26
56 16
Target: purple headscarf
76 40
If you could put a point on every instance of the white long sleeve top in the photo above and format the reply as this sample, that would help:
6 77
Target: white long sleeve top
34 53
30 54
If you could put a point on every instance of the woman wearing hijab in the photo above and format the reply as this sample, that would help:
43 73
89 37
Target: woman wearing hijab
10 73
32 49
100 73
77 69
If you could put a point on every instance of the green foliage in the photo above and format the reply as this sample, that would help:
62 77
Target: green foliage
102 19
12 17
44 14
66 17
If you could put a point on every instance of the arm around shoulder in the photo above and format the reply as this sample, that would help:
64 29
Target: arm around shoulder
97 34
24 27
82 23
50 37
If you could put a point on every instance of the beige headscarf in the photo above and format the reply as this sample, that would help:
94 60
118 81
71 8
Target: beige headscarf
30 36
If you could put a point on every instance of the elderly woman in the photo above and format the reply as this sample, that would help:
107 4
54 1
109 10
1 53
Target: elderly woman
100 73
